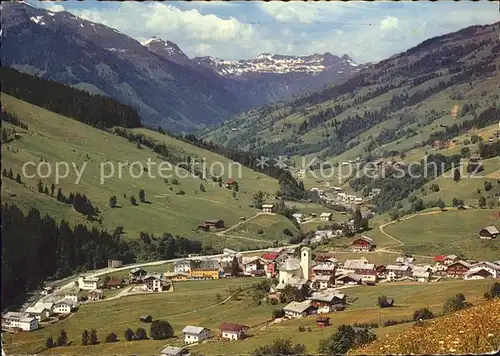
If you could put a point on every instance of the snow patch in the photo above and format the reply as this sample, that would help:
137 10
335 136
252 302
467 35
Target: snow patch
81 25
36 19
51 13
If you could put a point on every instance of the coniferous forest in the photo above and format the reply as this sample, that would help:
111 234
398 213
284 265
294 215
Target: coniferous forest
95 110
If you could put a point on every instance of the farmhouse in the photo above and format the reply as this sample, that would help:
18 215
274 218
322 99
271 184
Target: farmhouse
72 295
362 244
492 268
115 283
155 283
368 276
298 217
20 320
64 307
193 334
215 223
230 331
253 264
324 269
114 263
323 282
88 283
203 227
177 276
228 256
325 216
477 273
458 268
298 309
137 274
267 208
39 312
488 233
146 318
47 290
327 301
350 278
355 266
173 351
95 295
398 271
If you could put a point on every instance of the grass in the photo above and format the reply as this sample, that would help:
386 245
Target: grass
55 138
272 227
184 307
453 231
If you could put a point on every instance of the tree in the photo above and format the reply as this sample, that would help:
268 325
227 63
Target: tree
140 334
487 186
59 196
46 190
358 220
93 337
277 313
482 202
418 205
142 195
383 302
18 178
161 330
455 303
258 199
291 294
10 175
63 338
234 195
344 339
495 290
280 347
113 201
49 343
422 314
235 267
133 201
129 334
456 175
202 187
441 204
111 338
85 337
39 186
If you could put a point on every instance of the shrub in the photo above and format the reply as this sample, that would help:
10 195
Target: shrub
140 334
49 343
260 231
302 328
181 192
161 330
422 314
129 334
278 313
287 232
383 302
111 338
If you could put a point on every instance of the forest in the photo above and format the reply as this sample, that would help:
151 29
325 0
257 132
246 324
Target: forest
95 110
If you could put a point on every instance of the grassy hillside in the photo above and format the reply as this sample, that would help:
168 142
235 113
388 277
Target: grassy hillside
54 138
400 102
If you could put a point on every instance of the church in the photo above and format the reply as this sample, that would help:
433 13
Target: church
296 272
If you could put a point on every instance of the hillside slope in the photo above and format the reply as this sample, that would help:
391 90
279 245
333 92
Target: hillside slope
53 138
470 331
390 108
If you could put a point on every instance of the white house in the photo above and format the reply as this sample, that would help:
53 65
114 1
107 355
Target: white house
491 267
477 273
228 255
183 266
298 217
173 351
298 309
354 266
155 282
88 283
39 312
20 320
72 295
325 216
64 307
397 271
254 264
230 331
267 208
193 334
46 290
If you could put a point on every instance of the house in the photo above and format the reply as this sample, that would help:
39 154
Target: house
267 208
324 269
47 290
39 312
458 268
362 244
146 319
95 295
327 301
298 309
88 283
205 273
491 267
355 266
19 320
72 295
193 334
299 217
114 263
230 331
137 274
203 227
253 264
64 306
215 223
350 278
323 282
488 233
177 276
448 260
183 266
115 283
228 256
380 269
477 273
155 283
421 276
398 271
173 351
368 276
326 216
322 321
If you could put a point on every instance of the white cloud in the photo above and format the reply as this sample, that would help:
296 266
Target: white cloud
389 23
55 8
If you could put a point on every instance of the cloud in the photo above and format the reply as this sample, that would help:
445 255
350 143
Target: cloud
389 23
55 8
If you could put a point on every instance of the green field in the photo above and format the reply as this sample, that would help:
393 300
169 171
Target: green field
193 302
54 138
266 227
448 232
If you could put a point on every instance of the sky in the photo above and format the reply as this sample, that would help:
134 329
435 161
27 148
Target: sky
366 31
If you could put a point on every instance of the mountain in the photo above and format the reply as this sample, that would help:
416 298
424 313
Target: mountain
396 105
100 59
155 76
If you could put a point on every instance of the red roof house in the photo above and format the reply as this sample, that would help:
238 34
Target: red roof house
362 244
439 258
271 256
232 331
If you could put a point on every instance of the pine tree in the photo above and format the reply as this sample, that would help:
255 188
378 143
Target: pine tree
46 190
49 343
10 175
129 334
60 196
142 195
52 189
456 175
112 201
85 337
93 337
18 178
132 200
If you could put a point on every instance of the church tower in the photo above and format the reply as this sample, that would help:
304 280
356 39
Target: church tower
305 262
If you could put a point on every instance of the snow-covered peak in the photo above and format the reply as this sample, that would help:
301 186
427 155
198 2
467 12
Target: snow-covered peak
166 49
